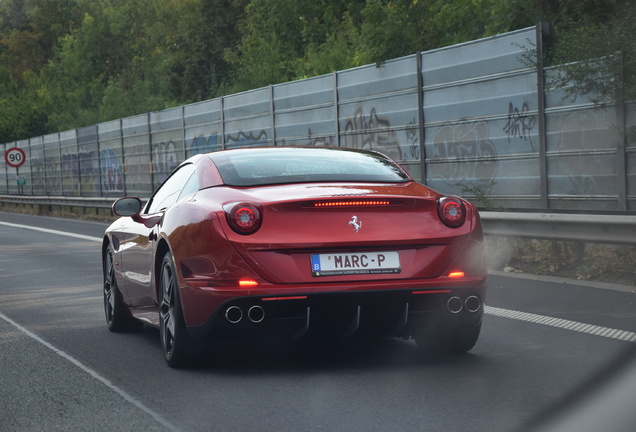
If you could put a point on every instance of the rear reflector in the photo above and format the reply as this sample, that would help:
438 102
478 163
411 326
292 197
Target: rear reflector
284 298
351 203
432 292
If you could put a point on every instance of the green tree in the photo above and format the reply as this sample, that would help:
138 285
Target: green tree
269 46
190 38
22 113
29 31
100 70
69 63
597 56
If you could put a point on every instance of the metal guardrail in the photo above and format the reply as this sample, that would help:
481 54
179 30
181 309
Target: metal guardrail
63 201
590 228
613 229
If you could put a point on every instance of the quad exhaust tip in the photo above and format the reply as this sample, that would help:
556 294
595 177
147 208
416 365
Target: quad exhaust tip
256 314
455 305
473 304
234 314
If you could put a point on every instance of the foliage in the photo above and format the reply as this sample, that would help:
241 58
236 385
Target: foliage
480 196
575 260
599 59
70 63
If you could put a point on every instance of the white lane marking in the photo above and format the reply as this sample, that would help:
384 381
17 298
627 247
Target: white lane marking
92 373
50 231
564 324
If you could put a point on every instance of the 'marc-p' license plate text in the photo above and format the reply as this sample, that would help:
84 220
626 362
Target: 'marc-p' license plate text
335 264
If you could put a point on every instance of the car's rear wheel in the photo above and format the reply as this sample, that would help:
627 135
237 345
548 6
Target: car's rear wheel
178 348
117 317
456 341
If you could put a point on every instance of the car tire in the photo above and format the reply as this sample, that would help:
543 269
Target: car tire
464 340
179 350
118 318
457 341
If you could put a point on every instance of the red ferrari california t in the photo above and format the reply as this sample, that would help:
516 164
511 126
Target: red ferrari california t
287 243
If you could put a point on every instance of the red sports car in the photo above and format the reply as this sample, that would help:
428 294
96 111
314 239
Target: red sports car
289 243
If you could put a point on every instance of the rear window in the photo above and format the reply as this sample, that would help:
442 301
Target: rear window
275 165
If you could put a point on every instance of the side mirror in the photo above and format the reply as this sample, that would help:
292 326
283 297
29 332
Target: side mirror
131 207
128 206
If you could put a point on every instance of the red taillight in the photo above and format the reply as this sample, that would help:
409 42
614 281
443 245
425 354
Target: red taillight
247 283
456 274
244 218
452 212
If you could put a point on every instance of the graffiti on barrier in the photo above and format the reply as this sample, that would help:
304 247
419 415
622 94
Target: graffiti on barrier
137 168
242 139
204 144
70 170
413 140
52 174
520 123
210 143
466 153
164 159
371 132
88 160
112 172
324 141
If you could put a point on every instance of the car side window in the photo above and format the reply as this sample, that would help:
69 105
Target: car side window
169 192
191 186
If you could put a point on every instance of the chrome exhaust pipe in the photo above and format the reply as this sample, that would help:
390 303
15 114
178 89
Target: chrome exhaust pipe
233 314
473 304
454 305
256 314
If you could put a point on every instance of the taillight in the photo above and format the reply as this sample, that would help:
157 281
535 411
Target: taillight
244 218
352 203
451 211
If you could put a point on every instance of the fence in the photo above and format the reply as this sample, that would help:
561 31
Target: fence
472 119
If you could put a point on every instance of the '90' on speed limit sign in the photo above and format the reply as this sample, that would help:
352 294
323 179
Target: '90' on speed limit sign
15 157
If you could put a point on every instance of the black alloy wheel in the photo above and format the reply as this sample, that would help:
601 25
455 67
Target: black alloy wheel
178 349
117 317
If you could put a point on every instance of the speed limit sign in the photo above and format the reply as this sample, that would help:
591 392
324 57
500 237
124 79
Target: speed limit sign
15 157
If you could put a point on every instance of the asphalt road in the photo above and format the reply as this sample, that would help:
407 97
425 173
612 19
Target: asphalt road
61 369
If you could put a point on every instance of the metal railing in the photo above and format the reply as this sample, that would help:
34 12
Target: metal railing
589 228
61 201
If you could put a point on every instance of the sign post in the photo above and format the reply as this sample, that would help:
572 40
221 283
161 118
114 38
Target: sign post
15 157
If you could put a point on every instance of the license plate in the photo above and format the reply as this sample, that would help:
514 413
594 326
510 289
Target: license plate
335 264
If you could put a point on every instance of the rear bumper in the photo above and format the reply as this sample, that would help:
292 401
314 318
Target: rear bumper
338 315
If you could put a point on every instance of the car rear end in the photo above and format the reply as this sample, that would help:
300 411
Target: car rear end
337 259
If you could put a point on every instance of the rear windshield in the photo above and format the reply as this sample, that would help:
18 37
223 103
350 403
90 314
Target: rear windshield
275 165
